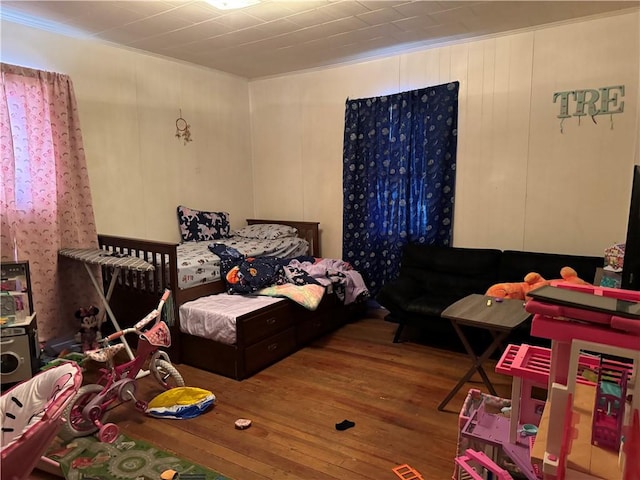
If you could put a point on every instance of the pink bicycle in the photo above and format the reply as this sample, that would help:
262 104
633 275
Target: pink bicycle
88 410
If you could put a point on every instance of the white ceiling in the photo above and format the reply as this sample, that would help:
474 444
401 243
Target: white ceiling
276 37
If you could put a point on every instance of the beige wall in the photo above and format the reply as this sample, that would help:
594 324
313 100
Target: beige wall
521 184
128 104
273 147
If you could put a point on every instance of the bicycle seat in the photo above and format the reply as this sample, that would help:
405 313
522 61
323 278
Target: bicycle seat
105 354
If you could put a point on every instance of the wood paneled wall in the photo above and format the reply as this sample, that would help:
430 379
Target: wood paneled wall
521 183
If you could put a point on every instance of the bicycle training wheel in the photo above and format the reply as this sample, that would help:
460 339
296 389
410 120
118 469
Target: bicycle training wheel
166 374
75 424
108 433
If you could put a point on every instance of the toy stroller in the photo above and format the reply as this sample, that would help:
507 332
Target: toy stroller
32 415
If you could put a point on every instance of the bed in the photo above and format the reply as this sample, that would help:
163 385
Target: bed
263 336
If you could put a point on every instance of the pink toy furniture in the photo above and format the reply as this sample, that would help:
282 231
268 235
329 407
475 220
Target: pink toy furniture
31 417
472 462
615 321
490 432
608 416
530 367
563 447
475 400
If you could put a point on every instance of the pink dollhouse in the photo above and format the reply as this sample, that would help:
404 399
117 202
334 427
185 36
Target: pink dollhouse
564 447
601 413
575 406
608 415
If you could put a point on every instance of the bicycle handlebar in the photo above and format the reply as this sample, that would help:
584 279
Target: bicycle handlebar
150 316
165 296
119 334
155 313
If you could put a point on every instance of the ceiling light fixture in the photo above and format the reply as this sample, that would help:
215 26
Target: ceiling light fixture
232 4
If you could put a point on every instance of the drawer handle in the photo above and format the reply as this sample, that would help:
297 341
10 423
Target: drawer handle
272 347
271 321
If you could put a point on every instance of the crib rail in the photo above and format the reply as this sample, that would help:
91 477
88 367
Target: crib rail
161 255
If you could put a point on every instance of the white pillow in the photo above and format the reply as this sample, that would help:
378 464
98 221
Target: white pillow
266 231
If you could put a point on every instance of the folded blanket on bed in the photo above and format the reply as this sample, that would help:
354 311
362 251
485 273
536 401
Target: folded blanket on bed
309 296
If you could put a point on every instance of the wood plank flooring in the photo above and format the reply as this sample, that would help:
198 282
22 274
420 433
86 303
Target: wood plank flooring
389 390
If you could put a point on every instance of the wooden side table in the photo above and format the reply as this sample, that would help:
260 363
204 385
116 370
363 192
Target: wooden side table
481 311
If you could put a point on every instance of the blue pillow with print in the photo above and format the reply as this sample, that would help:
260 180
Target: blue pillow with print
198 226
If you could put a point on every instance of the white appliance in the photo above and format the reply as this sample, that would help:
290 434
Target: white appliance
19 351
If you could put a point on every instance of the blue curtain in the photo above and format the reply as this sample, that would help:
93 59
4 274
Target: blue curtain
398 177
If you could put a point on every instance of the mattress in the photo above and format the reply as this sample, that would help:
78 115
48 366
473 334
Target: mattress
198 265
214 316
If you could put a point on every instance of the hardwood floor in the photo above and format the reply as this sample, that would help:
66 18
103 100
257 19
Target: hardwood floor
389 390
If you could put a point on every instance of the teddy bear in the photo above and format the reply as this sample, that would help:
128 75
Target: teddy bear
89 333
532 280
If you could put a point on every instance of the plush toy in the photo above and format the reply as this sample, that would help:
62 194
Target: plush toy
514 290
89 333
533 280
568 274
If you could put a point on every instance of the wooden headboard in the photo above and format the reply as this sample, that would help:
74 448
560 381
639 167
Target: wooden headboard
308 230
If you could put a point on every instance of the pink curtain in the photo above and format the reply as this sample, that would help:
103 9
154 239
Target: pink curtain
45 195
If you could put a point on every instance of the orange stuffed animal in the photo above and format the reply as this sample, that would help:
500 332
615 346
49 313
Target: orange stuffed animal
533 280
568 274
515 290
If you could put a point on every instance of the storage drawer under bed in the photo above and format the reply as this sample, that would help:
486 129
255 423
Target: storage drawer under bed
269 350
264 336
263 323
